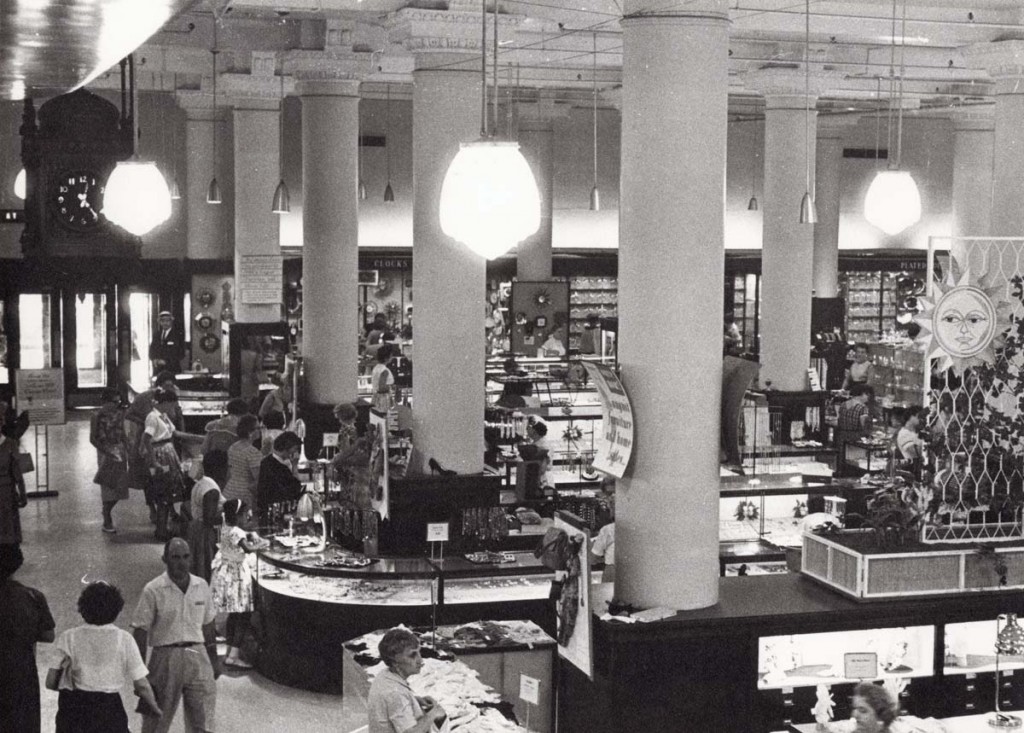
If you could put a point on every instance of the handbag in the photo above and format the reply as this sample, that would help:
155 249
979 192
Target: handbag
112 473
25 463
61 678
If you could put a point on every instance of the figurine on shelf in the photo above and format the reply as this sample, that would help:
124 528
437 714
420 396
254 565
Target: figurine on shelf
823 708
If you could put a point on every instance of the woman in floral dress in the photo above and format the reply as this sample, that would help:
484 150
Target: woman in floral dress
166 485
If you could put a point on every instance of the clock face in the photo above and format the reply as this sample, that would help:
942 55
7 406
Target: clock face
77 198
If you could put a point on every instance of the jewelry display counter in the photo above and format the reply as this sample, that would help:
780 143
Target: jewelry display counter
309 603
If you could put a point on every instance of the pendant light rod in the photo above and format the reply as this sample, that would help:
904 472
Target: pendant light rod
133 96
807 94
494 91
594 72
899 118
483 69
892 86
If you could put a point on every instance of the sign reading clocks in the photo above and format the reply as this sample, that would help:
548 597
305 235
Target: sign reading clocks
963 322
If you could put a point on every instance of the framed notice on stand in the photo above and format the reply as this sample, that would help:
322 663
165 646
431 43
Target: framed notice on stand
41 392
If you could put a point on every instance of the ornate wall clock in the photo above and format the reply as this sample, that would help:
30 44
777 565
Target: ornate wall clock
69 150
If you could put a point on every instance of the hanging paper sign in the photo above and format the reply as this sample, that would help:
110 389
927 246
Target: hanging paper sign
377 436
260 279
614 444
41 392
964 320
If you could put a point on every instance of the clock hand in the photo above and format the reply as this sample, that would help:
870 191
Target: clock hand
82 200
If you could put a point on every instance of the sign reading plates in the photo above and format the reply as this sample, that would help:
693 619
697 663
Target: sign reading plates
260 279
41 392
614 445
437 531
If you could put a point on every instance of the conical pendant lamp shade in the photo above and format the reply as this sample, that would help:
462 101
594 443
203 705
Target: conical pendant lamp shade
213 192
173 188
595 199
808 212
282 199
362 190
752 204
389 194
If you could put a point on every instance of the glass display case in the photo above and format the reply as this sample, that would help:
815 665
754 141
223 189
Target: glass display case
799 660
311 600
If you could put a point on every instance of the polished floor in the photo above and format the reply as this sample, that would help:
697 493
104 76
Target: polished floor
64 546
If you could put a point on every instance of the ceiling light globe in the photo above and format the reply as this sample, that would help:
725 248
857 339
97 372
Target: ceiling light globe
489 198
893 202
19 184
136 197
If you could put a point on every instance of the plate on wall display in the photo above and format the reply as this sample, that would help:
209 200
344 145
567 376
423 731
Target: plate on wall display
209 343
370 307
205 297
204 321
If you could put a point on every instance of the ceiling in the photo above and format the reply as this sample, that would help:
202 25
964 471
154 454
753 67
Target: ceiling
51 46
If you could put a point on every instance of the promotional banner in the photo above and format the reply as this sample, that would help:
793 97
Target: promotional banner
575 635
377 437
614 444
41 392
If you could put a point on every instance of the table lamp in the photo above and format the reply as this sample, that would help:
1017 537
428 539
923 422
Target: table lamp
1009 640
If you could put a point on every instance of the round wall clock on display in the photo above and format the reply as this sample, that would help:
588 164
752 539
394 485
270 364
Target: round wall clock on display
204 321
205 298
209 343
77 199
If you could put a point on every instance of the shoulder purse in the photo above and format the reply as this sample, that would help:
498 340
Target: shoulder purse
60 678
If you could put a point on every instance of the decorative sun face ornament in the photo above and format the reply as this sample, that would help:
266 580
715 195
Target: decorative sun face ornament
964 321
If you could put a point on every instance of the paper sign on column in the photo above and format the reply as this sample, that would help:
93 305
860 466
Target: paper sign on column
529 689
614 443
41 392
437 531
260 279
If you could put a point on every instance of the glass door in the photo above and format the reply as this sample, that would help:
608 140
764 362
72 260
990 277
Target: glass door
140 316
39 331
91 358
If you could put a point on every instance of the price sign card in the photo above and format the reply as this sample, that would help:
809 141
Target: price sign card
529 689
860 665
330 440
437 532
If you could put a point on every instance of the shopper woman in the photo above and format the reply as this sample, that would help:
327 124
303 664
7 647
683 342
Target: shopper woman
859 371
12 491
165 486
106 433
391 706
382 381
206 500
244 462
873 710
98 657
231 583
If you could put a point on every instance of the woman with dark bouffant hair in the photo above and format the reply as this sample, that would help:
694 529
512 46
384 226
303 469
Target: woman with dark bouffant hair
874 710
95 659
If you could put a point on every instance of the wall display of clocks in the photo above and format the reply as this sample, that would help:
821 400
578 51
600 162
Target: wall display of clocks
77 199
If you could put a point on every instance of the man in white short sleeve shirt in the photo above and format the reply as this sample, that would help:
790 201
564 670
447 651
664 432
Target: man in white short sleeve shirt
175 618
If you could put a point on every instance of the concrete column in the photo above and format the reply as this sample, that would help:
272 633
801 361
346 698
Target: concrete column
206 235
787 255
828 187
330 226
674 99
973 159
1004 61
448 328
537 124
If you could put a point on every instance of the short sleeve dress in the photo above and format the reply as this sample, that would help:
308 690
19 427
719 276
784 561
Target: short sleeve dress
232 573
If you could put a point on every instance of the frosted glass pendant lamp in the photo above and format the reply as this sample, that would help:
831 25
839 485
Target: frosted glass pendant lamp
136 198
489 198
19 184
893 202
